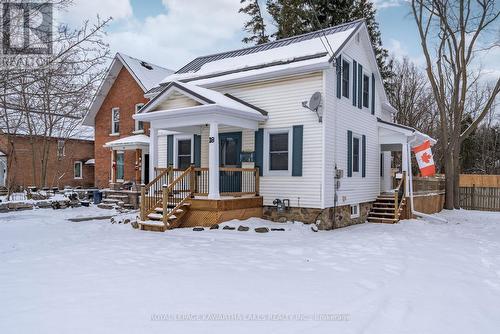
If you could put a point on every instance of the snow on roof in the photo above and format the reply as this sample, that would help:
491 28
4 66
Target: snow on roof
320 45
148 74
207 96
136 140
90 162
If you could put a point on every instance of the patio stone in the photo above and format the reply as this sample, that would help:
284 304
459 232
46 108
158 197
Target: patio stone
243 228
261 229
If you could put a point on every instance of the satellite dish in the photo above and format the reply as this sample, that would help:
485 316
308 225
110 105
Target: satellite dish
315 101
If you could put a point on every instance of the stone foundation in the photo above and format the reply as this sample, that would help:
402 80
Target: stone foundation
327 219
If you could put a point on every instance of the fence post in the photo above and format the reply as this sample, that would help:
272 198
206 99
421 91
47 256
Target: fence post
473 196
192 181
143 201
165 204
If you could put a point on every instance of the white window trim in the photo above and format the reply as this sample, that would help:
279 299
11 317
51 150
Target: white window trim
176 148
116 170
360 155
267 133
81 170
113 133
136 122
349 84
354 215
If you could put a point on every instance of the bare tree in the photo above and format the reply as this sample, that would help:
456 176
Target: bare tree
49 101
452 34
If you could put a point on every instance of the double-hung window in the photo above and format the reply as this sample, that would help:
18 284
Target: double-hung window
139 125
278 151
115 120
78 170
356 156
345 78
366 91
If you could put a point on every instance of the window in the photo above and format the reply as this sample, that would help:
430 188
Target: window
78 170
366 89
139 125
183 153
60 149
355 211
278 151
115 120
120 157
345 78
355 154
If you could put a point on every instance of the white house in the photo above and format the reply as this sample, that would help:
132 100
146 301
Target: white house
248 108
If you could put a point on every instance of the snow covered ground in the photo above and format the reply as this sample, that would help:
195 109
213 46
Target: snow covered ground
58 276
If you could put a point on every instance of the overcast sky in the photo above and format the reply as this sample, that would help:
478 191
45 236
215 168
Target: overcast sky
173 32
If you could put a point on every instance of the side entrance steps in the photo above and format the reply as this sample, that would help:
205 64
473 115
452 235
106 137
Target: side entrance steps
384 210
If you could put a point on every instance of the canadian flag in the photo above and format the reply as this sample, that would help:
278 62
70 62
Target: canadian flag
423 154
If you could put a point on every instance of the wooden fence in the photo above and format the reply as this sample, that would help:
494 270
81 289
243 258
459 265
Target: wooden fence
479 180
480 198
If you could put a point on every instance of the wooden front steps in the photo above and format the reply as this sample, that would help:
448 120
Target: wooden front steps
155 219
384 210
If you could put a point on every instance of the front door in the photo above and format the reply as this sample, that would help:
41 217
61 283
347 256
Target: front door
229 156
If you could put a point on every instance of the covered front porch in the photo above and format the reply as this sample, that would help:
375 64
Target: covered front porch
210 157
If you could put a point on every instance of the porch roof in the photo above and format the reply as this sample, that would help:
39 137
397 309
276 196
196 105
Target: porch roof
213 107
416 136
129 143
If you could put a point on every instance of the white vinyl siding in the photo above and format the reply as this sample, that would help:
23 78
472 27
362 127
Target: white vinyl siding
177 100
341 116
282 99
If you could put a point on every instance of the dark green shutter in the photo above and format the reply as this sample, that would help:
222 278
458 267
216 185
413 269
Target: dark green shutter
363 156
373 94
354 81
298 139
170 150
349 153
338 65
259 150
197 150
360 86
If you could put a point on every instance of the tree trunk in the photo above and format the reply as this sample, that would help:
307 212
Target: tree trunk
449 180
456 176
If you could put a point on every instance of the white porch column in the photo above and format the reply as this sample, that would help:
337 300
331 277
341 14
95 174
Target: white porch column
405 163
153 152
213 162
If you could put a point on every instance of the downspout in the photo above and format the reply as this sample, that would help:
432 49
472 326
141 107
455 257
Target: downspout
410 188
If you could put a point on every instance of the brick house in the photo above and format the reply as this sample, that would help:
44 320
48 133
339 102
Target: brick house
70 162
121 143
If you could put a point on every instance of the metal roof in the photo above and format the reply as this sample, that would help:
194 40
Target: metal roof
197 63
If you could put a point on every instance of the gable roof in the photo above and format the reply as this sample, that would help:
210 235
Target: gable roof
204 96
146 75
311 48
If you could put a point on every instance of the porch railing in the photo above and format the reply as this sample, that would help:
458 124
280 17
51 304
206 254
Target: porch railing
399 196
172 187
232 181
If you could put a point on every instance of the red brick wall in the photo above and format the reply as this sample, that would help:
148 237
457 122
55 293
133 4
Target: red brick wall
60 172
124 94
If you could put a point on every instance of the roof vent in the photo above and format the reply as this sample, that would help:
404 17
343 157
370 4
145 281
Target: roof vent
146 65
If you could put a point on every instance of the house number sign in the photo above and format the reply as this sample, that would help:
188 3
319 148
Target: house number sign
211 140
